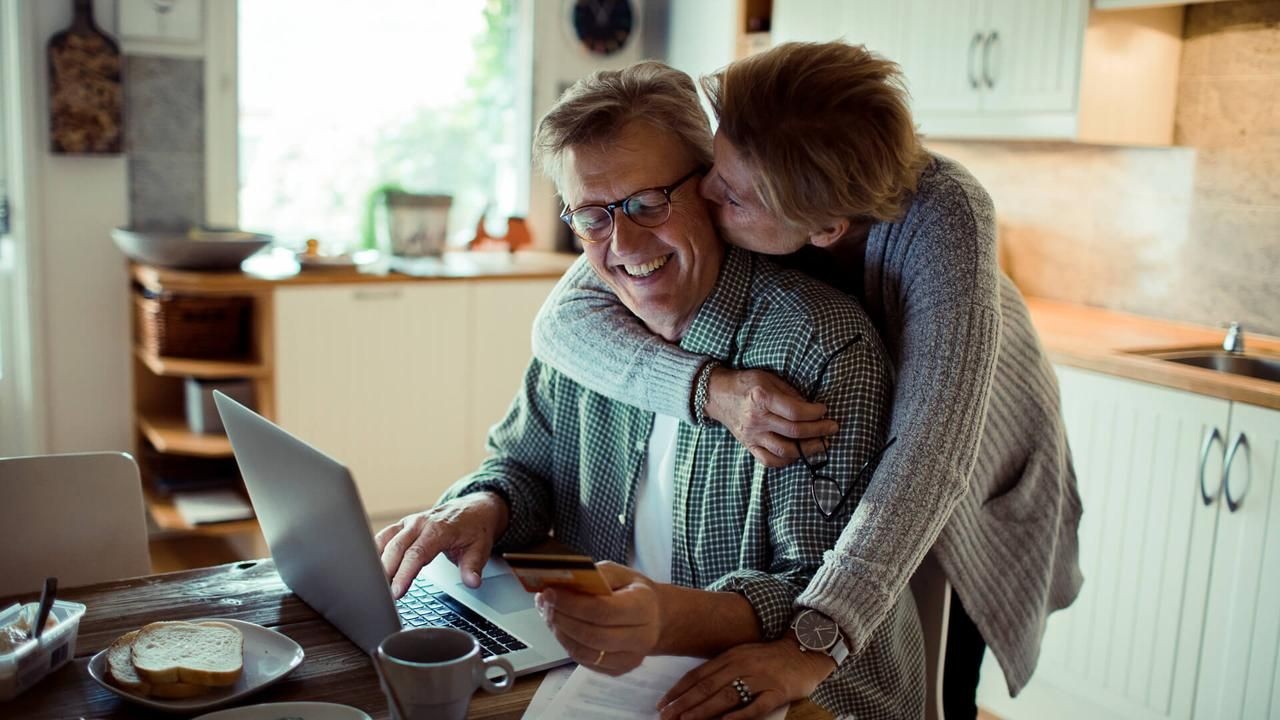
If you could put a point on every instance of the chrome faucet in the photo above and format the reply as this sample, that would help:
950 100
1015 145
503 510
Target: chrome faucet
1234 342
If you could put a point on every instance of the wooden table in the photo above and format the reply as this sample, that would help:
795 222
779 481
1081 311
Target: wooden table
334 670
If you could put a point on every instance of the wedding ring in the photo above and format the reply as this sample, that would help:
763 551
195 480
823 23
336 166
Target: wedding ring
599 658
744 692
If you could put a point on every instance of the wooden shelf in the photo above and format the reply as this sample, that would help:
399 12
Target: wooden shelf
171 435
188 367
167 518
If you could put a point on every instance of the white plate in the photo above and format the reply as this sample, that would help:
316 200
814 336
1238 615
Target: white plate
268 656
290 710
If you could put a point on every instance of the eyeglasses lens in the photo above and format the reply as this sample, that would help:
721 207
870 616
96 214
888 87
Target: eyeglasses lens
592 224
649 208
826 494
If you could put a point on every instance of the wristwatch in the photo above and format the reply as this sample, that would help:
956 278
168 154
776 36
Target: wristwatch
819 633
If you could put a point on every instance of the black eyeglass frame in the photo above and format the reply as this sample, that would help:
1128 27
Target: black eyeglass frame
567 215
814 475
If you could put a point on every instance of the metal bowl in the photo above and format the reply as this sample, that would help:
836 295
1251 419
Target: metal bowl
193 250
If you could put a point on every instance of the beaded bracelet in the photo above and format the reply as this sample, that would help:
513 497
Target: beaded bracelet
702 392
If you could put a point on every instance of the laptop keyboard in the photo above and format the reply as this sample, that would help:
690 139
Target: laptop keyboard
426 605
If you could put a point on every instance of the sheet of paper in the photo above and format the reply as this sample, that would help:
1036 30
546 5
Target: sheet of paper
210 506
547 691
589 695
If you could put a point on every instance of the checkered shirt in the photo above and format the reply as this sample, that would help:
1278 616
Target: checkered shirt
567 460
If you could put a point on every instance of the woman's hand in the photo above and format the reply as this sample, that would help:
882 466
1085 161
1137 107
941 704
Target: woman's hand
766 415
611 634
775 673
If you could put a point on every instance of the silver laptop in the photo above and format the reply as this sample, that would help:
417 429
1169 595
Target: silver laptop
314 523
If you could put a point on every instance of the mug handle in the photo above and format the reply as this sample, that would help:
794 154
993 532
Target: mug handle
492 686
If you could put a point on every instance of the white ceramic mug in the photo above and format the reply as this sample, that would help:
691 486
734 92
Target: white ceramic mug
431 673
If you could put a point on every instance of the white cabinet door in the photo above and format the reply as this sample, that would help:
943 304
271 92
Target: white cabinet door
1032 55
880 26
503 312
375 375
806 21
1239 667
1127 648
942 56
701 35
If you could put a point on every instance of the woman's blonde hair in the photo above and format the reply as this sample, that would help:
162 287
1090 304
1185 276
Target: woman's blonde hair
827 127
596 108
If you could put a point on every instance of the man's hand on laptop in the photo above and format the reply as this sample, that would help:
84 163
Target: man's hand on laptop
464 529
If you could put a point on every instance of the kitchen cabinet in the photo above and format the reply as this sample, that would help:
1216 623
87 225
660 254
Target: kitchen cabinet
1131 4
1014 69
402 381
992 59
1175 606
502 322
880 26
705 35
398 378
375 376
1239 663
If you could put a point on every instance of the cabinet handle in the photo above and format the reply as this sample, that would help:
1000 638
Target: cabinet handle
992 39
973 51
1215 436
387 294
1233 504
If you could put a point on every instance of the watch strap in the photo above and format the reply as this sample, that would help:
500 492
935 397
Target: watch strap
840 650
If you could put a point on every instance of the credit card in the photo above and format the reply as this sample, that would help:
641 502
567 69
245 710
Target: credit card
538 572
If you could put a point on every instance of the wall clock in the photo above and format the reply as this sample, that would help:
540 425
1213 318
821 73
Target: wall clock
602 26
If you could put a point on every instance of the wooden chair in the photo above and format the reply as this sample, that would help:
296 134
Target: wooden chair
932 594
78 517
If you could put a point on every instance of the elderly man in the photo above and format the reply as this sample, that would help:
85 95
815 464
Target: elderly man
705 549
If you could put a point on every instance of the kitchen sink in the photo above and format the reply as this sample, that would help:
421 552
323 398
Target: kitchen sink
1254 366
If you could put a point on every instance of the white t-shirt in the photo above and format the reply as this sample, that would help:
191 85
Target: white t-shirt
655 503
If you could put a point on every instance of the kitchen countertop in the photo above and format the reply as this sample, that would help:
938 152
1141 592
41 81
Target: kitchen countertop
1105 340
1075 335
268 270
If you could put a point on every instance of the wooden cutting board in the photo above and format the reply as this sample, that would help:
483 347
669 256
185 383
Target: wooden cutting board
86 98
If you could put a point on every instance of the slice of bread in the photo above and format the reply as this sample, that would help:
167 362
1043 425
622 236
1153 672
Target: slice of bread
123 675
209 654
120 665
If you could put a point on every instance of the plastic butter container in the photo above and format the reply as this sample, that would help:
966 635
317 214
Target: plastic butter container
24 662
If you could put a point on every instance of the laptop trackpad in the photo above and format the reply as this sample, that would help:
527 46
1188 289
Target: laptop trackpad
503 593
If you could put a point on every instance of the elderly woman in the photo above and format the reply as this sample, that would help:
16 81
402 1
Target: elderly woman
817 160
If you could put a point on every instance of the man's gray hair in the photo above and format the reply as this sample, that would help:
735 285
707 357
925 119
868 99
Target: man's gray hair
596 108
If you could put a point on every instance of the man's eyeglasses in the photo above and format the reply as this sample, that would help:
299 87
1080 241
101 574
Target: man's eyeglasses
648 208
825 490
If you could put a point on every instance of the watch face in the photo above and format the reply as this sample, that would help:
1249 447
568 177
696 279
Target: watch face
816 631
603 26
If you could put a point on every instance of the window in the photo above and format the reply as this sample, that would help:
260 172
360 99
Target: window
338 99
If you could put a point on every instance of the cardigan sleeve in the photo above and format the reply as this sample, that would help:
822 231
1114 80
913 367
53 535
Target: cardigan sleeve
936 279
584 331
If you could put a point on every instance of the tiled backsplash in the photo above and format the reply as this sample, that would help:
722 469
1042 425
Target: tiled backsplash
1188 233
164 137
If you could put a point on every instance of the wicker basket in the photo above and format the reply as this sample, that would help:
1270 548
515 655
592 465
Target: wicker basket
193 326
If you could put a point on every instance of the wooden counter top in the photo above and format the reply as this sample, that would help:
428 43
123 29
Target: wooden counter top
1105 341
266 271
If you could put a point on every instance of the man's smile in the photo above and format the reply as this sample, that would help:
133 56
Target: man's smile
648 268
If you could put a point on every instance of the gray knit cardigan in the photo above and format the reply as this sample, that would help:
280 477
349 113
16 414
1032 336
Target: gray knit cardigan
981 472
